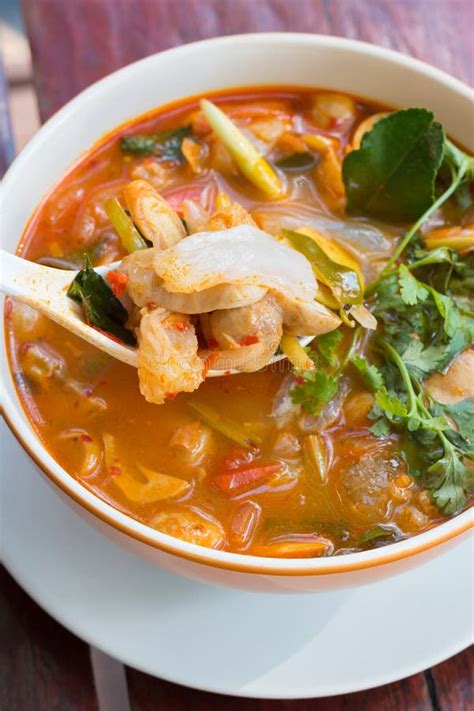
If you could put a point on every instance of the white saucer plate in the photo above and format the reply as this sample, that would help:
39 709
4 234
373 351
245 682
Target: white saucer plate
244 644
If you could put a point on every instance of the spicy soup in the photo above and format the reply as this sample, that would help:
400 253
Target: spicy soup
280 462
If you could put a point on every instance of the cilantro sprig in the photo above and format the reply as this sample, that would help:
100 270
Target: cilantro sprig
315 388
421 331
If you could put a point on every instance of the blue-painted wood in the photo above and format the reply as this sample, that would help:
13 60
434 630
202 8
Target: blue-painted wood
7 146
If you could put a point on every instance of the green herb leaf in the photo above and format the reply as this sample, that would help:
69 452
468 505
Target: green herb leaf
391 405
449 480
298 162
392 175
411 290
327 345
422 361
101 307
463 415
370 374
166 145
316 390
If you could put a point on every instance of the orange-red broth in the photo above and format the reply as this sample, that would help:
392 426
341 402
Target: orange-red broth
75 394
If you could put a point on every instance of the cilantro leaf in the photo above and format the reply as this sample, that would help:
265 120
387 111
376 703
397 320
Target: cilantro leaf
101 308
327 345
391 405
463 415
412 291
422 361
316 390
392 175
450 479
369 373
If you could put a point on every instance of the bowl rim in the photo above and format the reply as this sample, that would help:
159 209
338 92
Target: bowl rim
16 417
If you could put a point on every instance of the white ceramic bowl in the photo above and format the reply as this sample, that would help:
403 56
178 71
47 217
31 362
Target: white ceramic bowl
259 59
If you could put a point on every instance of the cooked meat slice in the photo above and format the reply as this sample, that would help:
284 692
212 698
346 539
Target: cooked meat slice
167 357
457 384
154 217
190 526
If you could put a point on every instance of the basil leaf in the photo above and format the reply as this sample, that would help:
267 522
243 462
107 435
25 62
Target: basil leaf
297 162
101 307
166 145
392 175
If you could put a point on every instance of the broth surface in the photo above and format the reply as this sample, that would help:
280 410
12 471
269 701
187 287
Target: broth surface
78 398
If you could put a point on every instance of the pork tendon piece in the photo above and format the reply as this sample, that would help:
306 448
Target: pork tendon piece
240 255
167 357
145 287
154 217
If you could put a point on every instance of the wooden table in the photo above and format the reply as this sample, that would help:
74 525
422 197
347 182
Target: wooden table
75 42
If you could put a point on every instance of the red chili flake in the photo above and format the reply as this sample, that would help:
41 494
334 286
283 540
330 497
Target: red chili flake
209 362
212 343
182 326
151 305
86 438
299 379
118 282
170 396
249 340
88 391
115 471
102 382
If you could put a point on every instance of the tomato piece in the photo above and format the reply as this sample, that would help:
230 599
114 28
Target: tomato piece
242 477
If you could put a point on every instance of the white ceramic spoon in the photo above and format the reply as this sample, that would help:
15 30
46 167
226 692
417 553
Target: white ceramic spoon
44 289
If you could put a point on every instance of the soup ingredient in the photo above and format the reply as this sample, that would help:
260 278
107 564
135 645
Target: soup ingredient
250 162
457 384
458 238
190 526
192 439
167 357
101 308
295 352
232 430
393 174
411 311
298 162
244 523
330 109
240 478
316 455
336 269
366 125
92 451
367 468
259 323
304 547
166 145
145 287
155 218
240 255
126 230
317 386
